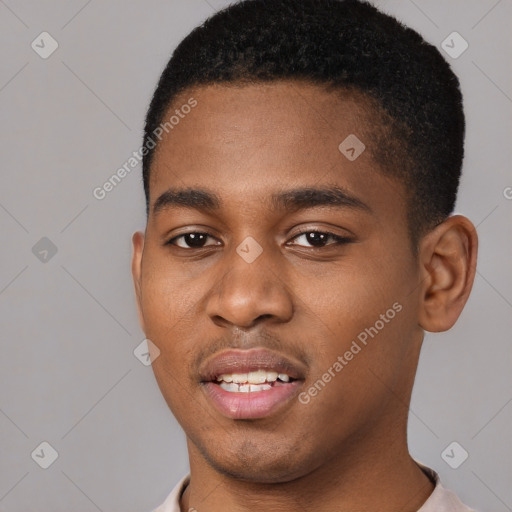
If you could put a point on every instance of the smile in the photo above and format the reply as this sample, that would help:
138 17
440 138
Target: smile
260 380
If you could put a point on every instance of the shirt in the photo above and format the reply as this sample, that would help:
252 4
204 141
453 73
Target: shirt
441 499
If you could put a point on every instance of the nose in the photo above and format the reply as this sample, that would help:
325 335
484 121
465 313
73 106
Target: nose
249 293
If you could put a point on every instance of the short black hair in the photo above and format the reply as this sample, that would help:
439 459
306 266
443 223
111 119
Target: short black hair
344 46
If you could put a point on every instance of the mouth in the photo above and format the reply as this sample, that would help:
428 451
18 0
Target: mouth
259 380
250 384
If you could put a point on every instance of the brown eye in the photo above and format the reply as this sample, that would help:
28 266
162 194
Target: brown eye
319 239
193 240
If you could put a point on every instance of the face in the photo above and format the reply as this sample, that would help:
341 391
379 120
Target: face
291 259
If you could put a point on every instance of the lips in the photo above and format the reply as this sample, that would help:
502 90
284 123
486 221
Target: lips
251 401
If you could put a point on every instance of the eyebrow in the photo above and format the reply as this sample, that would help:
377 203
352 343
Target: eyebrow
290 200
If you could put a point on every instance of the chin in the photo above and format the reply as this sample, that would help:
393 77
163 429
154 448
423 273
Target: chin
269 473
258 463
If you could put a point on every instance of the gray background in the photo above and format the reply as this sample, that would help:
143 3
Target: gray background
69 326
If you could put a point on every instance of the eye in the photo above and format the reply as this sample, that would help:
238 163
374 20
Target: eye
318 239
193 240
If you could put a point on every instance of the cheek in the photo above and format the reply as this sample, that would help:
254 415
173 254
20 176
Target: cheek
167 297
350 297
367 320
170 306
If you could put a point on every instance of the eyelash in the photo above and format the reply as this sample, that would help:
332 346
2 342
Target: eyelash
338 240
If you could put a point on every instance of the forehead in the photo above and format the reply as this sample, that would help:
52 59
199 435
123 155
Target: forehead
279 115
255 139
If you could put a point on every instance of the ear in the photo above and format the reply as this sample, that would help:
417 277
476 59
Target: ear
447 257
138 248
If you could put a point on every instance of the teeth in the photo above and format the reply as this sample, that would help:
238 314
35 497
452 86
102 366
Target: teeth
271 376
229 386
244 388
262 387
255 377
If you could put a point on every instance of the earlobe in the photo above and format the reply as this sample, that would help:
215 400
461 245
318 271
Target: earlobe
448 257
138 248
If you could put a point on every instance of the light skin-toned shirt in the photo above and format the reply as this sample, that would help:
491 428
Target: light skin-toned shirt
441 499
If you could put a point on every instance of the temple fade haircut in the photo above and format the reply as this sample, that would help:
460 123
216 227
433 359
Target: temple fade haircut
414 123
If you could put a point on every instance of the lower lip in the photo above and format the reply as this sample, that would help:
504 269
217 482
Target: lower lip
256 404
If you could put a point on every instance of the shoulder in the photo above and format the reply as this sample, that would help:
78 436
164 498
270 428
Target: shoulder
441 499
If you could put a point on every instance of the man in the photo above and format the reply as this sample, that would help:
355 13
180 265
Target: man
300 240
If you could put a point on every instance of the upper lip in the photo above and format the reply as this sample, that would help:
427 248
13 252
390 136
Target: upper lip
244 361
